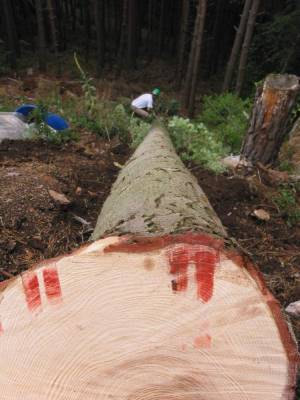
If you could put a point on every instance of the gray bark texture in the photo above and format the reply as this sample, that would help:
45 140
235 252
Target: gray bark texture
155 194
269 119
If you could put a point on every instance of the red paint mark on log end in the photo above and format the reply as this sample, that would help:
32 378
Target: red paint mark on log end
52 285
179 262
31 290
205 269
1 329
202 342
205 262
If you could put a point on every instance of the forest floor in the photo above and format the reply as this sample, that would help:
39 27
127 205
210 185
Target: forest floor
35 224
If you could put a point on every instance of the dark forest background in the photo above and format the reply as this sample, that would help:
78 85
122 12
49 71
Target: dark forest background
200 39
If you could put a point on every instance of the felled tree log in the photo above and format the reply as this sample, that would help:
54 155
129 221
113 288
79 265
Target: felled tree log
269 118
155 194
175 315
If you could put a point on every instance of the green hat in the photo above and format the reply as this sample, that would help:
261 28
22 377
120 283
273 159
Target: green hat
156 91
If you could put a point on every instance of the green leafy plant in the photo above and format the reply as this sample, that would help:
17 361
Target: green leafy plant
286 201
166 107
226 116
138 130
88 88
194 142
40 130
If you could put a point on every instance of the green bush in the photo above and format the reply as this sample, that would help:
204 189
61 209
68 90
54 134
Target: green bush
286 201
194 142
165 106
226 116
138 130
40 130
277 40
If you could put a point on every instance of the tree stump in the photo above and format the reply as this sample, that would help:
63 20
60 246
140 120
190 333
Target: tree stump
269 118
174 315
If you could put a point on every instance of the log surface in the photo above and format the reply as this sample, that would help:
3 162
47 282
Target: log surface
155 194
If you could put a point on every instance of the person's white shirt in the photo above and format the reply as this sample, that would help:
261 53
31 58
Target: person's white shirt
143 101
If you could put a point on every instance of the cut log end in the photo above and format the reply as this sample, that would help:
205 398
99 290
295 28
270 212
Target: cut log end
282 82
174 317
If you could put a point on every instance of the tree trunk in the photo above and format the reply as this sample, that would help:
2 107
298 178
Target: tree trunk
124 30
41 36
216 39
87 27
167 317
100 31
269 118
246 46
54 34
182 41
132 34
236 46
194 59
9 29
161 33
53 27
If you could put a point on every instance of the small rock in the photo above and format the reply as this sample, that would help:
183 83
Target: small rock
13 174
261 214
59 198
294 308
231 161
92 194
78 191
11 245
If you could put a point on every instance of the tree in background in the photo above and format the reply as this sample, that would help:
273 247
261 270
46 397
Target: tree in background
246 46
236 46
100 32
191 78
41 35
185 9
10 27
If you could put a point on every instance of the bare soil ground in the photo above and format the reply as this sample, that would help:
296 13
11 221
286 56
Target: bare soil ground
33 225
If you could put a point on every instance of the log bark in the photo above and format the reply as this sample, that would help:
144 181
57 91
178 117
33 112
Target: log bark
269 118
155 194
169 316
